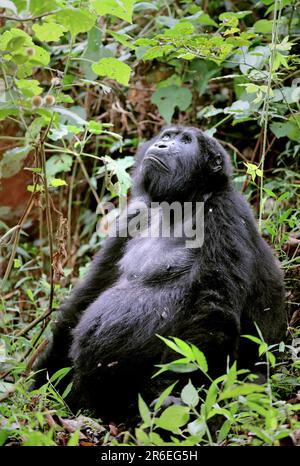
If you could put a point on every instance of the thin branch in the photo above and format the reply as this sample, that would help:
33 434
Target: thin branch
32 18
267 105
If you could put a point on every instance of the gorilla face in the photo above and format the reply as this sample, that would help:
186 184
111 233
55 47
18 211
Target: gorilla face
171 149
180 162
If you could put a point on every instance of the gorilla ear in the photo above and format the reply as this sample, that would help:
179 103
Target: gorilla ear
216 163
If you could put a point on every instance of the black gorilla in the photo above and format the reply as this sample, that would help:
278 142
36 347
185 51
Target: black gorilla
138 287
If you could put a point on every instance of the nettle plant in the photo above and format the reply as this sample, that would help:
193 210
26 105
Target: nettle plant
231 410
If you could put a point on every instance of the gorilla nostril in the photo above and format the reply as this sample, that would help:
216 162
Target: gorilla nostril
161 145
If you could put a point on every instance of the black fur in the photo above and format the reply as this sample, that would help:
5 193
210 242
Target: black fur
139 287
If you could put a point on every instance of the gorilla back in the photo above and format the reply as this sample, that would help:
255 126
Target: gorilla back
140 286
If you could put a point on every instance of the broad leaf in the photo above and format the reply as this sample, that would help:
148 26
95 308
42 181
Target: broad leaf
113 69
76 20
49 32
173 418
168 98
120 8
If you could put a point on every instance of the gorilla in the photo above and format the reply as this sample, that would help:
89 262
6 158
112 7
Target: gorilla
141 286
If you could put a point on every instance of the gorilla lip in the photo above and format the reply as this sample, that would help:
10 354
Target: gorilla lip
157 161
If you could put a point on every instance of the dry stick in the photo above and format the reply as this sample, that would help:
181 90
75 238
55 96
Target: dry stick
35 354
48 212
50 237
16 240
70 198
235 149
266 106
32 18
34 323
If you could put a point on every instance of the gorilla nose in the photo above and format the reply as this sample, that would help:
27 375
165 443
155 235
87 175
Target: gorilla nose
161 145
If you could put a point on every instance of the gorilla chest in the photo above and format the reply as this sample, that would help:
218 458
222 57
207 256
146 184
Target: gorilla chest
156 260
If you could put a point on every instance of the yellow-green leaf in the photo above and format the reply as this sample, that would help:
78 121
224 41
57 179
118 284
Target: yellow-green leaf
113 69
48 32
76 20
120 8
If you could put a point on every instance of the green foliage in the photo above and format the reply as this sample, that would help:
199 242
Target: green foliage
168 98
122 9
113 69
224 413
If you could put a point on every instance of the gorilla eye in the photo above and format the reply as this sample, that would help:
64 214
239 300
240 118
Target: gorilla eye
186 138
165 137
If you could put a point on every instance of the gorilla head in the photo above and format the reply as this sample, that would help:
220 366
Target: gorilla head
179 163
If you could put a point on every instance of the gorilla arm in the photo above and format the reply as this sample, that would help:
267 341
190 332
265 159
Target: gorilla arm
101 275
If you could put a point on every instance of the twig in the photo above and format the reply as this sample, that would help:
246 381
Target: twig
32 18
232 147
18 231
32 324
70 205
35 354
266 107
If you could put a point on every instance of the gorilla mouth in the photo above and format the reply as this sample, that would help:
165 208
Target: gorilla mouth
158 162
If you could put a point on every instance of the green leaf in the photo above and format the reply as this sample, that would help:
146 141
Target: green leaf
30 294
244 389
59 375
144 411
157 52
189 395
12 161
38 7
49 31
56 182
58 133
21 38
180 30
281 129
75 20
69 115
253 338
121 8
181 367
206 19
263 26
186 350
94 127
163 396
211 397
29 87
40 57
224 431
197 427
200 359
288 128
119 168
113 69
270 192
201 71
173 418
238 15
171 344
57 164
11 111
168 98
4 434
17 263
74 439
